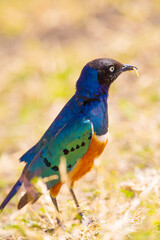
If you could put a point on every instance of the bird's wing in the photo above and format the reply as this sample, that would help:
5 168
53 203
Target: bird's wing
70 110
72 142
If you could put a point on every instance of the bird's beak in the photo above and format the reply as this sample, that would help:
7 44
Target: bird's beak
126 67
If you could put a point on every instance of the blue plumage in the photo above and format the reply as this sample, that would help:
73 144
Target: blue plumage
75 133
69 110
71 133
88 88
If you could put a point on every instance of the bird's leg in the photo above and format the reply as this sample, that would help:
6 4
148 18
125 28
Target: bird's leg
76 202
74 197
83 218
54 200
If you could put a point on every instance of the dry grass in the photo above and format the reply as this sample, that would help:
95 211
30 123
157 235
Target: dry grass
43 46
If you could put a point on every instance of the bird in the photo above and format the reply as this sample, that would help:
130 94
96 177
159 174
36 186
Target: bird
79 134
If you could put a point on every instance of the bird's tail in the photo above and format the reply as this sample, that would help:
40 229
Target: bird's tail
13 191
31 195
28 197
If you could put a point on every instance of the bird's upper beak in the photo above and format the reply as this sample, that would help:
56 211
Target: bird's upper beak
126 67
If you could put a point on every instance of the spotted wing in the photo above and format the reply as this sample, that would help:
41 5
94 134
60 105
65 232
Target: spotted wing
72 142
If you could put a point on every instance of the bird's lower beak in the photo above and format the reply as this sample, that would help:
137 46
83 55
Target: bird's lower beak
129 68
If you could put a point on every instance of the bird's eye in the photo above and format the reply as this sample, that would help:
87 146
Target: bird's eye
111 69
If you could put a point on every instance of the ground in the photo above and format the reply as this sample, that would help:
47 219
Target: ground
43 46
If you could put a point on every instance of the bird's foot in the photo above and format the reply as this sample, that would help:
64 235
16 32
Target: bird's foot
50 230
83 219
59 226
53 230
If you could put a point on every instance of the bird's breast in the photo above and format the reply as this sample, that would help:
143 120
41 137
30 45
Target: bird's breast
86 163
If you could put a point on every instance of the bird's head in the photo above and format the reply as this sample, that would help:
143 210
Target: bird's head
108 69
98 75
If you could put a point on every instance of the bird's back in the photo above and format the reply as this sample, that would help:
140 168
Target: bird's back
96 111
70 110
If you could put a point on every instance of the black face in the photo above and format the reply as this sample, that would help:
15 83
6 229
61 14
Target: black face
108 69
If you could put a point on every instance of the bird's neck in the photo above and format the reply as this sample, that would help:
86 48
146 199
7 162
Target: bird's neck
88 87
88 96
95 108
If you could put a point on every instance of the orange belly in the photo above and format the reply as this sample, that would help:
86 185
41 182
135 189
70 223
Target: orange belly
84 165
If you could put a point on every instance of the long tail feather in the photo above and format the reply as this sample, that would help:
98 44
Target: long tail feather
13 191
32 194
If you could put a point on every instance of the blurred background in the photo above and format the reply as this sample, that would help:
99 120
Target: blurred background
43 46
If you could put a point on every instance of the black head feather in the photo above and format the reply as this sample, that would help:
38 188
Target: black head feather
108 69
